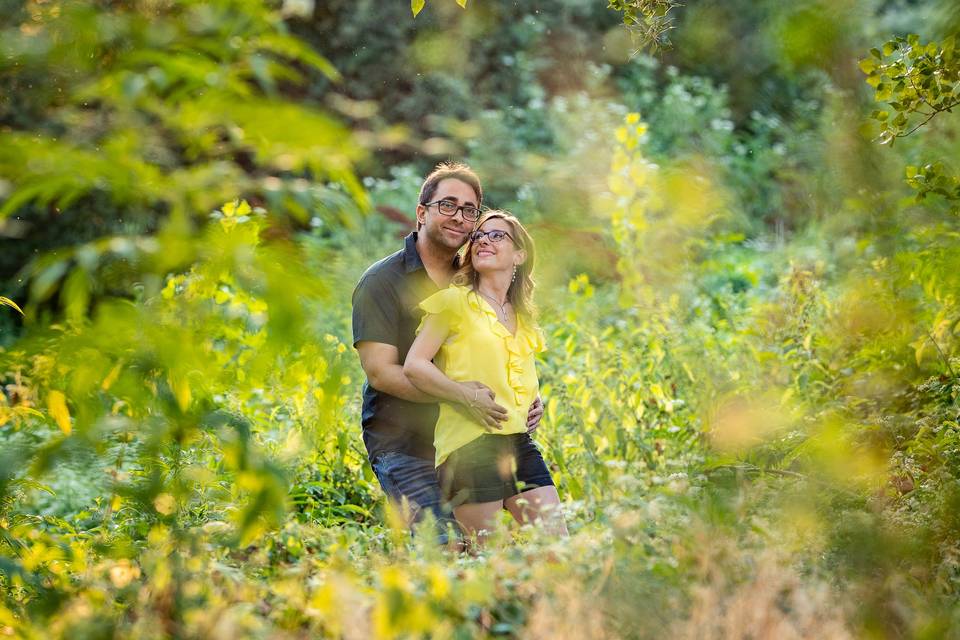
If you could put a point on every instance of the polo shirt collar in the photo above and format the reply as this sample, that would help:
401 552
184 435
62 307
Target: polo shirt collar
411 259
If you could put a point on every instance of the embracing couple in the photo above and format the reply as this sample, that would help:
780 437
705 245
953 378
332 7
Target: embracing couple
447 338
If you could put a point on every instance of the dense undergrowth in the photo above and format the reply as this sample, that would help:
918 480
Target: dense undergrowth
751 388
763 449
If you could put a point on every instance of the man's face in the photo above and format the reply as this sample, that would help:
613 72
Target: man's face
449 232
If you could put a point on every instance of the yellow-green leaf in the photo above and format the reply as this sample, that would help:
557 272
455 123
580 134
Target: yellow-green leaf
7 302
416 6
57 406
921 346
181 391
111 377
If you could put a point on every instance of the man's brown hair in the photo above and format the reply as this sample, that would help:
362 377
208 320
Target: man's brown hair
445 171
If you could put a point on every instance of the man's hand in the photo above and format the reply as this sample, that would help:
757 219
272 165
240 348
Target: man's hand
534 415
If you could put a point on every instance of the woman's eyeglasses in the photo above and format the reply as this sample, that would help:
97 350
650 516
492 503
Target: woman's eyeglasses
495 235
448 208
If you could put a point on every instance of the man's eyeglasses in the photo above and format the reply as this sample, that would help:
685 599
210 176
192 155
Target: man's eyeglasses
495 235
449 208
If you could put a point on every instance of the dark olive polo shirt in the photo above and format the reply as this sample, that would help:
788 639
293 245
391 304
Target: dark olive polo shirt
385 310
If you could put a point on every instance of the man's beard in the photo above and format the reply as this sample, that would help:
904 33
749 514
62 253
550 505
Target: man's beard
440 239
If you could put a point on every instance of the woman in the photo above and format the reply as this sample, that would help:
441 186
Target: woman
482 329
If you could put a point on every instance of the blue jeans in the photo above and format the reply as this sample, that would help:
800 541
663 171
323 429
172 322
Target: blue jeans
405 476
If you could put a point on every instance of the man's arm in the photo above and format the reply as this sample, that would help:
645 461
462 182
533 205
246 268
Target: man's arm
381 363
385 373
376 321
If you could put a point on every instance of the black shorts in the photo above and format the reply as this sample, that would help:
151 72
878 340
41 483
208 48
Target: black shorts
492 467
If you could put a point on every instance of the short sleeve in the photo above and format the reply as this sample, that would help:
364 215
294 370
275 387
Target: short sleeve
539 342
446 305
376 312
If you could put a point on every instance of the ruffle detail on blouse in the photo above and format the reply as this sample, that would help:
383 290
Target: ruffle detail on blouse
527 341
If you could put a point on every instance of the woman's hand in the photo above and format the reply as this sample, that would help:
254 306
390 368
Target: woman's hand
478 403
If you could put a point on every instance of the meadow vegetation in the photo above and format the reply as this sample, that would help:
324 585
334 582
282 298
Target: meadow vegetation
748 280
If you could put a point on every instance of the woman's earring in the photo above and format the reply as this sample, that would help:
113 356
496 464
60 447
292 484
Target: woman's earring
514 276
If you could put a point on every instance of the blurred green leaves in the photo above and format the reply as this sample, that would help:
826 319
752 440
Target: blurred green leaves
660 216
416 6
753 425
934 179
154 374
7 302
166 109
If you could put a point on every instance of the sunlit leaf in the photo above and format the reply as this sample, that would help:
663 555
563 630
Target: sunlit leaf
7 302
57 406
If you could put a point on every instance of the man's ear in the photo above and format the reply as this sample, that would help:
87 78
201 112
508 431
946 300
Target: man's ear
421 214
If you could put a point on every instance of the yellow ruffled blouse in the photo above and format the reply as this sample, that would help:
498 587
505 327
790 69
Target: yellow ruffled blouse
479 347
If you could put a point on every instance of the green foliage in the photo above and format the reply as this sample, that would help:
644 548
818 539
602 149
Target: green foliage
139 115
416 6
7 302
751 383
918 81
647 20
934 179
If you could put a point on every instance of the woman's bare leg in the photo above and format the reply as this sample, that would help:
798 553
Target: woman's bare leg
540 506
478 518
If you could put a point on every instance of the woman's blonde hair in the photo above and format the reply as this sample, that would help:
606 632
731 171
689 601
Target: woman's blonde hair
520 293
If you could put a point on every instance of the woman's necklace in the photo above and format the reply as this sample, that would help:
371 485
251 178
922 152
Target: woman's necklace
503 307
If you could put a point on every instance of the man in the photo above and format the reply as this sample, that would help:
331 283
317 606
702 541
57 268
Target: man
398 419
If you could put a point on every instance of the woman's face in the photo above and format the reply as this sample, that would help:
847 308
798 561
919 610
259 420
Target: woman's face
489 256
